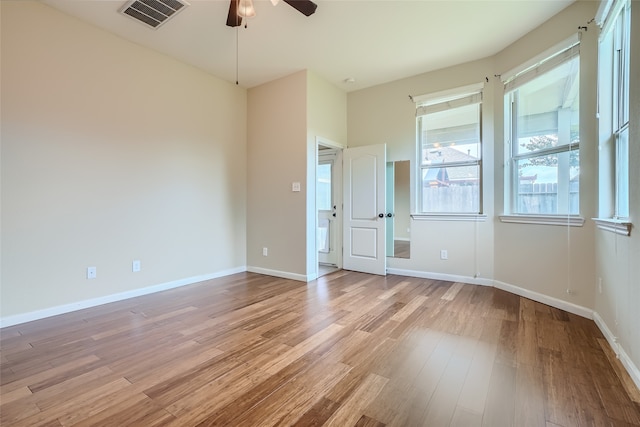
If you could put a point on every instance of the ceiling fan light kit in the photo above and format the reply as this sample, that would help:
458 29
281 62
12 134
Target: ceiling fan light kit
239 9
246 9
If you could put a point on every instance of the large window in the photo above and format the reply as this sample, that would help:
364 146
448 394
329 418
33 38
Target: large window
542 118
450 153
613 106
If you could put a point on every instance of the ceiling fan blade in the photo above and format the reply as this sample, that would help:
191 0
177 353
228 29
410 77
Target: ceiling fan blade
306 7
233 19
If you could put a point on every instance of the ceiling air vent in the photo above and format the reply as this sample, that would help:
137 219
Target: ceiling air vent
153 12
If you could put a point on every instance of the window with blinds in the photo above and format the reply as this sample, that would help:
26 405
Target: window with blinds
542 125
449 134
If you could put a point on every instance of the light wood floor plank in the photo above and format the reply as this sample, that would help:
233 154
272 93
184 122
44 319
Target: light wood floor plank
349 349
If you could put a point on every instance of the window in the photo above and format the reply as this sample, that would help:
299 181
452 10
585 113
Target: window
450 152
613 107
542 124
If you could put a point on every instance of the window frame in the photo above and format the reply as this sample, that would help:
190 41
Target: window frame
551 59
446 101
620 115
614 56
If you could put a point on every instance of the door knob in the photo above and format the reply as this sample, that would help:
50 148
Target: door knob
389 215
381 215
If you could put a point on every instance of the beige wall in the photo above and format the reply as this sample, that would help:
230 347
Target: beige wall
285 118
327 123
536 260
385 114
110 153
276 157
553 259
327 110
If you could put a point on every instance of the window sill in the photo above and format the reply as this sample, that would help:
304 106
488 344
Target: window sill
572 220
449 217
614 225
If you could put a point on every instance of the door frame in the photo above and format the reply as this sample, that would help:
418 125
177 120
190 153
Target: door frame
337 188
330 156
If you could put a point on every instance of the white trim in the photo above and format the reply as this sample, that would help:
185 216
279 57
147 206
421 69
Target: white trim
553 50
448 93
94 302
612 15
622 355
571 220
436 107
545 299
320 140
614 225
532 295
541 68
603 11
441 276
283 274
449 217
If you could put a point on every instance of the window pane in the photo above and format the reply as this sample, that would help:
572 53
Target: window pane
547 110
622 174
548 184
451 189
625 45
324 187
451 135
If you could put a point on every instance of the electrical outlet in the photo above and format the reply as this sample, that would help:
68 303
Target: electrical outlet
92 273
135 266
444 254
265 251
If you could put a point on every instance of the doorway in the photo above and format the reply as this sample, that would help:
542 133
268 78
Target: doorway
329 209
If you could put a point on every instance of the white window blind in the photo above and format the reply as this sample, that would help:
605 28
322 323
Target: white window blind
516 80
438 106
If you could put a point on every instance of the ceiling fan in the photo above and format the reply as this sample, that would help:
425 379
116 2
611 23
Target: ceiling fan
244 8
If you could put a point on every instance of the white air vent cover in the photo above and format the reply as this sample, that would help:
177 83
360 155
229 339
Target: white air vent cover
153 12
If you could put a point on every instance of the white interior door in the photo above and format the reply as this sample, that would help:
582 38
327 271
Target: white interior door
364 209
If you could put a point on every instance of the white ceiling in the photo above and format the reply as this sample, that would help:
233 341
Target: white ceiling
372 41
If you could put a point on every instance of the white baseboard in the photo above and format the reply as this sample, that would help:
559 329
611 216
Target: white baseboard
622 355
93 302
278 273
631 368
441 276
545 299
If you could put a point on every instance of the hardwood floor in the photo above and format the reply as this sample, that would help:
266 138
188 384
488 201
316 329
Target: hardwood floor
401 249
349 349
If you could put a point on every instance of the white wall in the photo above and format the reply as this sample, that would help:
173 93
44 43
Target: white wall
110 153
